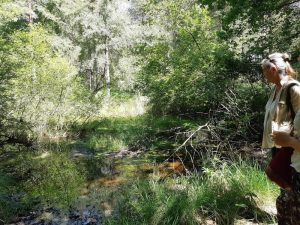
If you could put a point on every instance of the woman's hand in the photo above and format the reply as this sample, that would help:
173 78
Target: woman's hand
283 139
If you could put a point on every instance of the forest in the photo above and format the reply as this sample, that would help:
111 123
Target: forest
138 112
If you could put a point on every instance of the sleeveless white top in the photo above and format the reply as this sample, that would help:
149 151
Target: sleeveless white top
275 118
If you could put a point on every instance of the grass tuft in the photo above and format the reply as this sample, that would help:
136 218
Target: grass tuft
223 192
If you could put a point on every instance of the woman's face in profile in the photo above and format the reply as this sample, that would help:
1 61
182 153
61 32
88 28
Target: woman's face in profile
267 75
270 75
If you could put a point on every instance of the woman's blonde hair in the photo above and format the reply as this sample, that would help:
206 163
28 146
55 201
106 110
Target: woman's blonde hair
281 61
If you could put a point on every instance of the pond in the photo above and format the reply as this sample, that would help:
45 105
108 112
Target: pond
70 182
125 169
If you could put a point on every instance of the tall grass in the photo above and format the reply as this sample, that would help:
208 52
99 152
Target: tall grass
223 192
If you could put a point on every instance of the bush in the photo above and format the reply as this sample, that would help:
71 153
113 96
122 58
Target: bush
42 92
184 73
241 112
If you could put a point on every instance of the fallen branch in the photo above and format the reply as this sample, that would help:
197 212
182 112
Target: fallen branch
184 143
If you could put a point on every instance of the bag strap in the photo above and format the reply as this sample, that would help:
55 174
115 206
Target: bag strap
289 101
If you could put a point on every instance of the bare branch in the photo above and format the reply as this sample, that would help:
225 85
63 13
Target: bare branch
184 143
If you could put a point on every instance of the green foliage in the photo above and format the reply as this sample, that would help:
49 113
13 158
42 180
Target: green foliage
223 193
184 72
242 110
191 58
232 188
10 11
259 27
12 16
96 35
44 85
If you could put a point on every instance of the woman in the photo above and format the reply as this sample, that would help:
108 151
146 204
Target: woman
282 129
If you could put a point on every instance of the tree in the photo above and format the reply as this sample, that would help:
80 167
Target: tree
184 69
45 87
10 13
40 89
257 28
98 34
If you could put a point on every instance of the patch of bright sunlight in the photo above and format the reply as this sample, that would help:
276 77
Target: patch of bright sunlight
133 107
43 155
106 143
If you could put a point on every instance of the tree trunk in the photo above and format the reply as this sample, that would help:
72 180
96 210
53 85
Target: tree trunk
30 16
96 71
90 80
107 74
